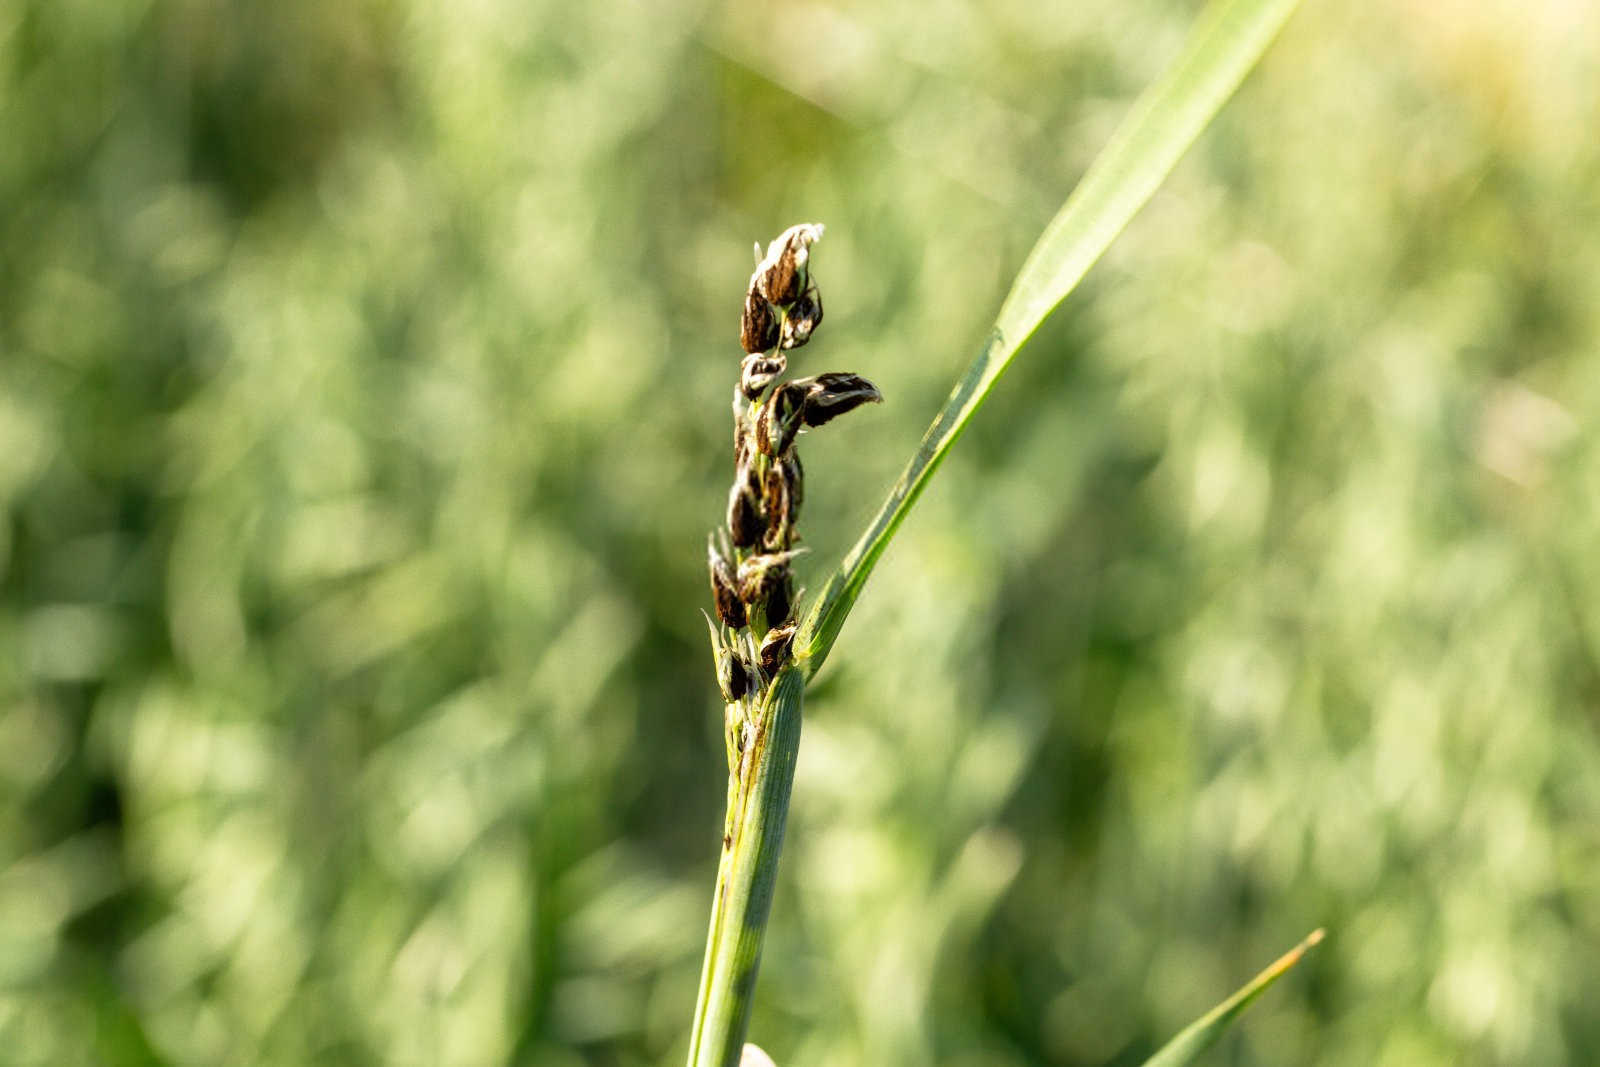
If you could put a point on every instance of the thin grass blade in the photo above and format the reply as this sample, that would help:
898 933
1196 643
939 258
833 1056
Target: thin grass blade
1204 1032
1227 41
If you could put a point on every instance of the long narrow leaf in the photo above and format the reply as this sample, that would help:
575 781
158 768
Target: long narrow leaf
1204 1032
1226 43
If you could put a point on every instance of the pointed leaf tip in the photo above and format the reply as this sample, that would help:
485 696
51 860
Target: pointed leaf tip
1204 1032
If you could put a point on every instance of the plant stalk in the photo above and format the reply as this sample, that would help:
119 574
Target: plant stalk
1226 43
758 807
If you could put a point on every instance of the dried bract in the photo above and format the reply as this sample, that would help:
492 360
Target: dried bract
733 676
828 396
781 275
780 419
724 589
775 648
745 523
781 492
795 474
758 329
761 573
780 600
803 318
743 437
759 371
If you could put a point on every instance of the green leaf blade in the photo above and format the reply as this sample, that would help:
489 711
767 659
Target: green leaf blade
1223 47
1204 1032
1226 43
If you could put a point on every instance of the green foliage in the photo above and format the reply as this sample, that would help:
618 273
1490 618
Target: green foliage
362 370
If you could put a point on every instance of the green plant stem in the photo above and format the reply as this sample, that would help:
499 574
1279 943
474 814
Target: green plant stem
759 807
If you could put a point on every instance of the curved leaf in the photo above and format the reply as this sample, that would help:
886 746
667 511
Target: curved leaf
1165 121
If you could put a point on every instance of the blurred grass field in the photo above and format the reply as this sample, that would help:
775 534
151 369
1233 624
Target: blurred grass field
363 409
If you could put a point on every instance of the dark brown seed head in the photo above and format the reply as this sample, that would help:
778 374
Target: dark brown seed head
781 275
759 371
828 396
758 329
803 318
775 648
725 590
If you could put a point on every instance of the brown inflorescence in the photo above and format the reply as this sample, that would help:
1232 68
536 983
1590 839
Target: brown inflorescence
751 582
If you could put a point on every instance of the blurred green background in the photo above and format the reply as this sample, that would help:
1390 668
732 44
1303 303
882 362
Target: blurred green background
363 409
